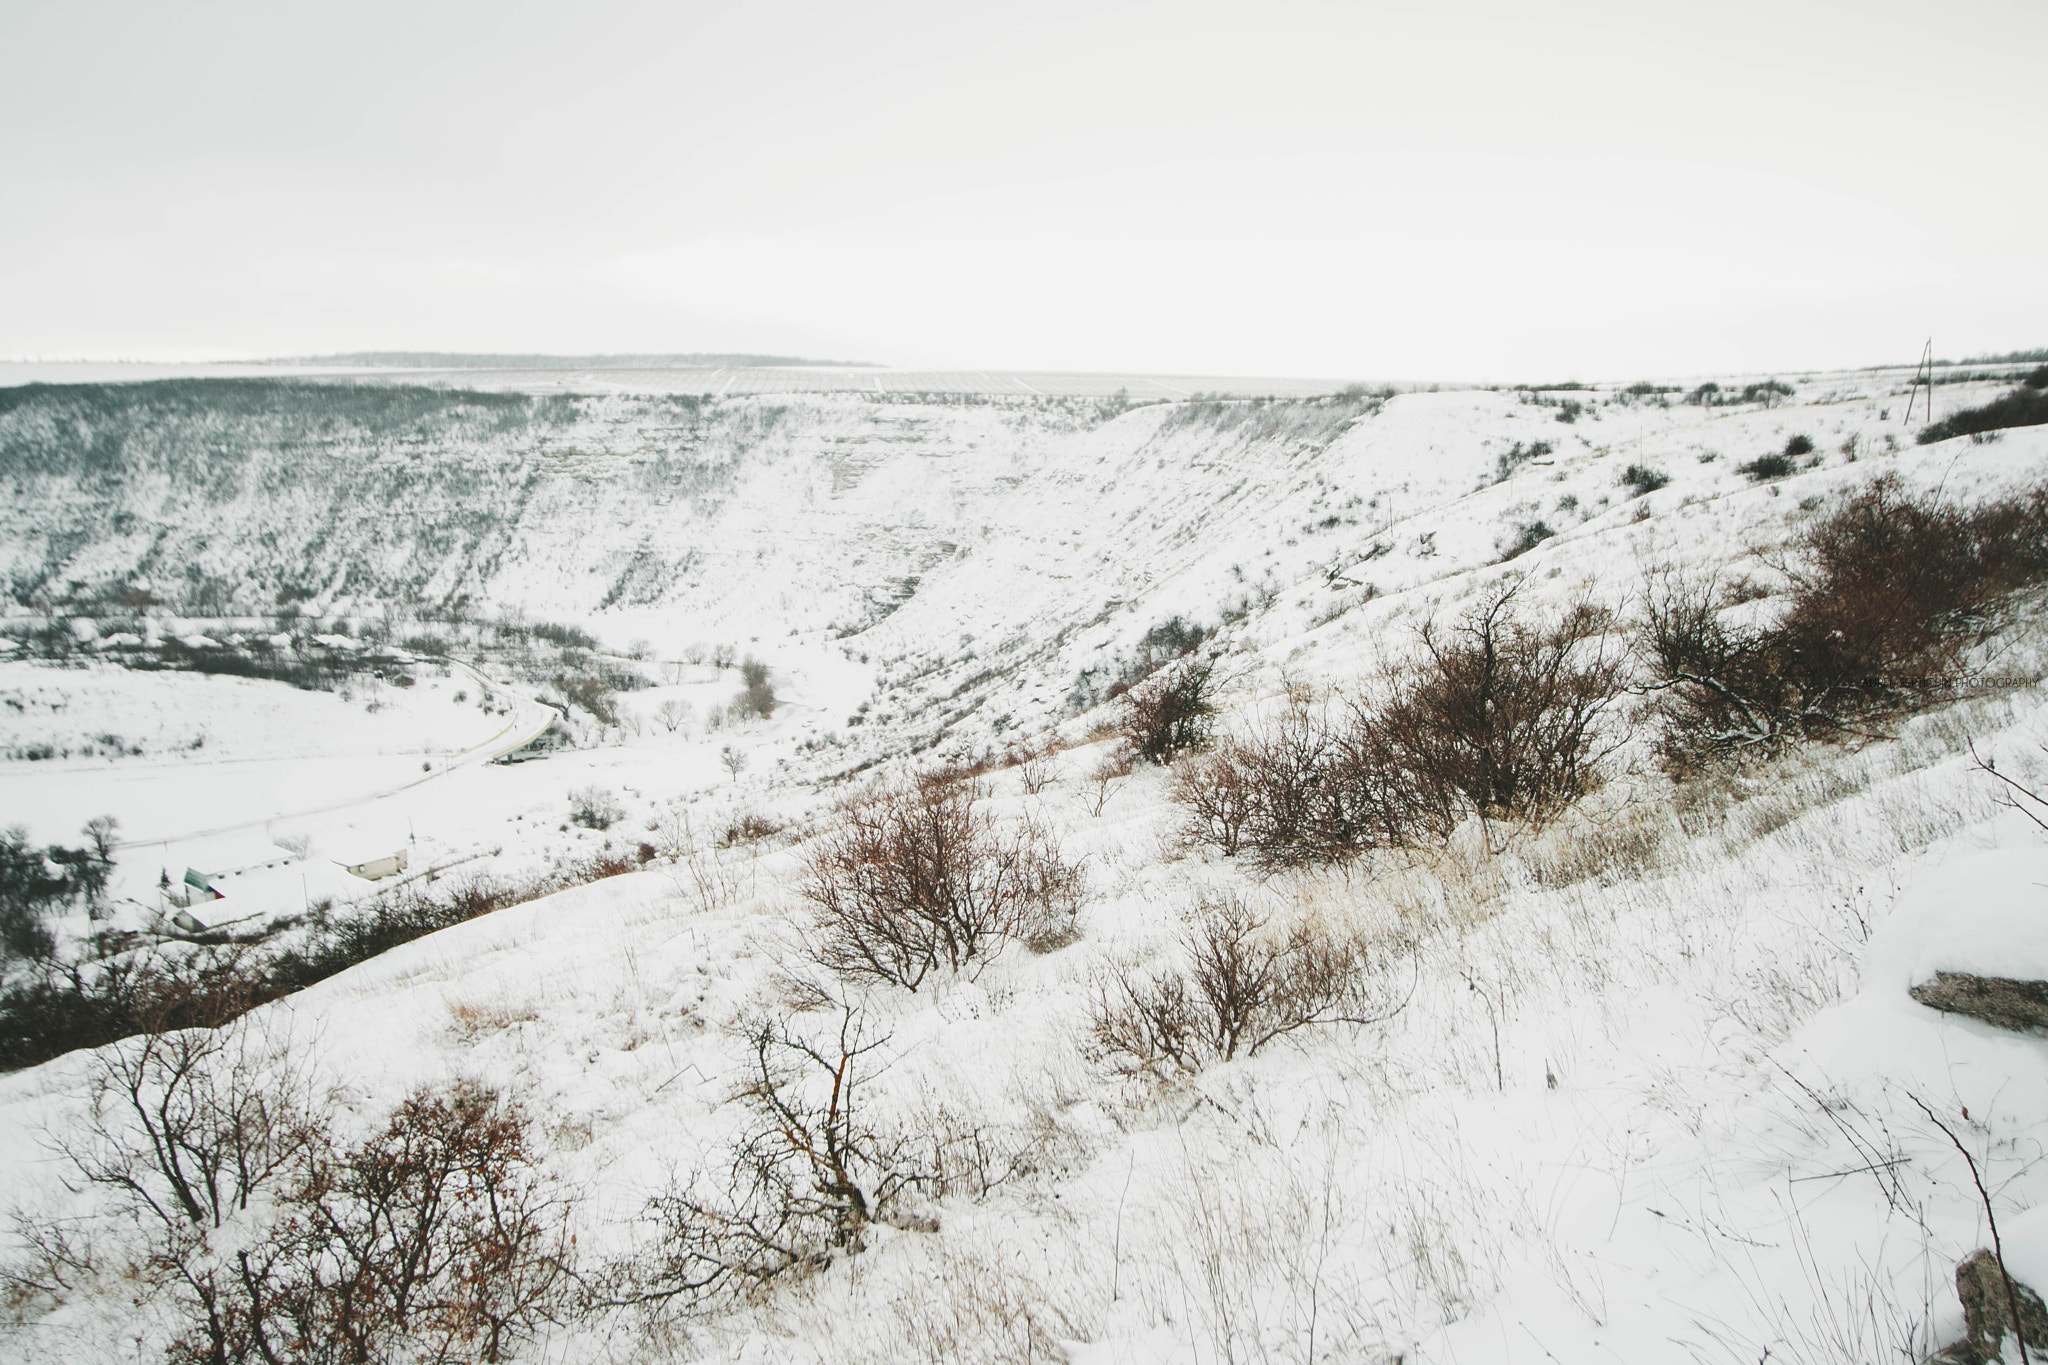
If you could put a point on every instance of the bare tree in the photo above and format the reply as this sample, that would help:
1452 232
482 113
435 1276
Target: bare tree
595 808
187 1124
757 694
182 1129
735 761
674 714
100 830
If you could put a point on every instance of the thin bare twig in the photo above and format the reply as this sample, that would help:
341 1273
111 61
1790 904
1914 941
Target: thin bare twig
2012 1304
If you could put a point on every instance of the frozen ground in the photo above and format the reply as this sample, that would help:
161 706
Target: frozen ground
1654 1095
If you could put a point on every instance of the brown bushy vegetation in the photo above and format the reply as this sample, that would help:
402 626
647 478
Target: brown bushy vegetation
227 1199
1170 713
1244 983
435 1239
749 827
1494 715
917 879
65 1005
1888 590
1499 713
1315 783
1502 716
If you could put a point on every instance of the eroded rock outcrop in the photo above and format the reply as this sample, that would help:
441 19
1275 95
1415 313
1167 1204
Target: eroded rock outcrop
1986 1318
1998 1000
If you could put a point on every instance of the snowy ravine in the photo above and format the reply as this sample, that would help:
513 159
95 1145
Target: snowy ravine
1655 1090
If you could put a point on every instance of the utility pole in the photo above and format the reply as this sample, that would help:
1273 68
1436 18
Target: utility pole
1922 374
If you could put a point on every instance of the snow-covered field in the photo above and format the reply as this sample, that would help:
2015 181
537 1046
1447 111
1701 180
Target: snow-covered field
1655 1093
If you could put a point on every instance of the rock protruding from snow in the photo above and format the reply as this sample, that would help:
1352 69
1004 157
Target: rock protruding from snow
1999 1000
1981 1285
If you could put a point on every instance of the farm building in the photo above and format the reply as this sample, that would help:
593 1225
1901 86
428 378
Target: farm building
377 869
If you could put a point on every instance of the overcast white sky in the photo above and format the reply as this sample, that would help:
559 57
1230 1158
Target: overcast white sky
1495 190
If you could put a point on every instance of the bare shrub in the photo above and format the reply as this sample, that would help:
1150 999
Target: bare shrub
182 1130
1500 713
1111 771
435 1239
1314 783
596 693
1033 760
1725 686
1888 590
674 714
1171 712
594 808
917 879
1643 479
187 1124
1883 589
226 1199
1496 715
1268 793
749 827
1218 793
2025 406
806 1177
1523 537
1244 983
95 1000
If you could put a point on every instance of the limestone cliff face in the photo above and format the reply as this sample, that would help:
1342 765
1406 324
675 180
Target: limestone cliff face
963 544
227 497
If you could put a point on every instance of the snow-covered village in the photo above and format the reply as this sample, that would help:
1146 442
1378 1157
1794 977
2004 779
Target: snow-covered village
1063 837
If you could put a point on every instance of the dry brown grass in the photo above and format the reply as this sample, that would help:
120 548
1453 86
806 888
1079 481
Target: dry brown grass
471 1020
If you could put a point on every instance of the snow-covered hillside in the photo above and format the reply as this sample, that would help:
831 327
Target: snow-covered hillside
1648 1084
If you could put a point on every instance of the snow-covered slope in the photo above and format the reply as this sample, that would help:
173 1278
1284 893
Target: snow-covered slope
1654 1093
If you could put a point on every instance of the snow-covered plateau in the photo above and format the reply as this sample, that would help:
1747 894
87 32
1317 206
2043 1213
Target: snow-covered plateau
1642 1080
